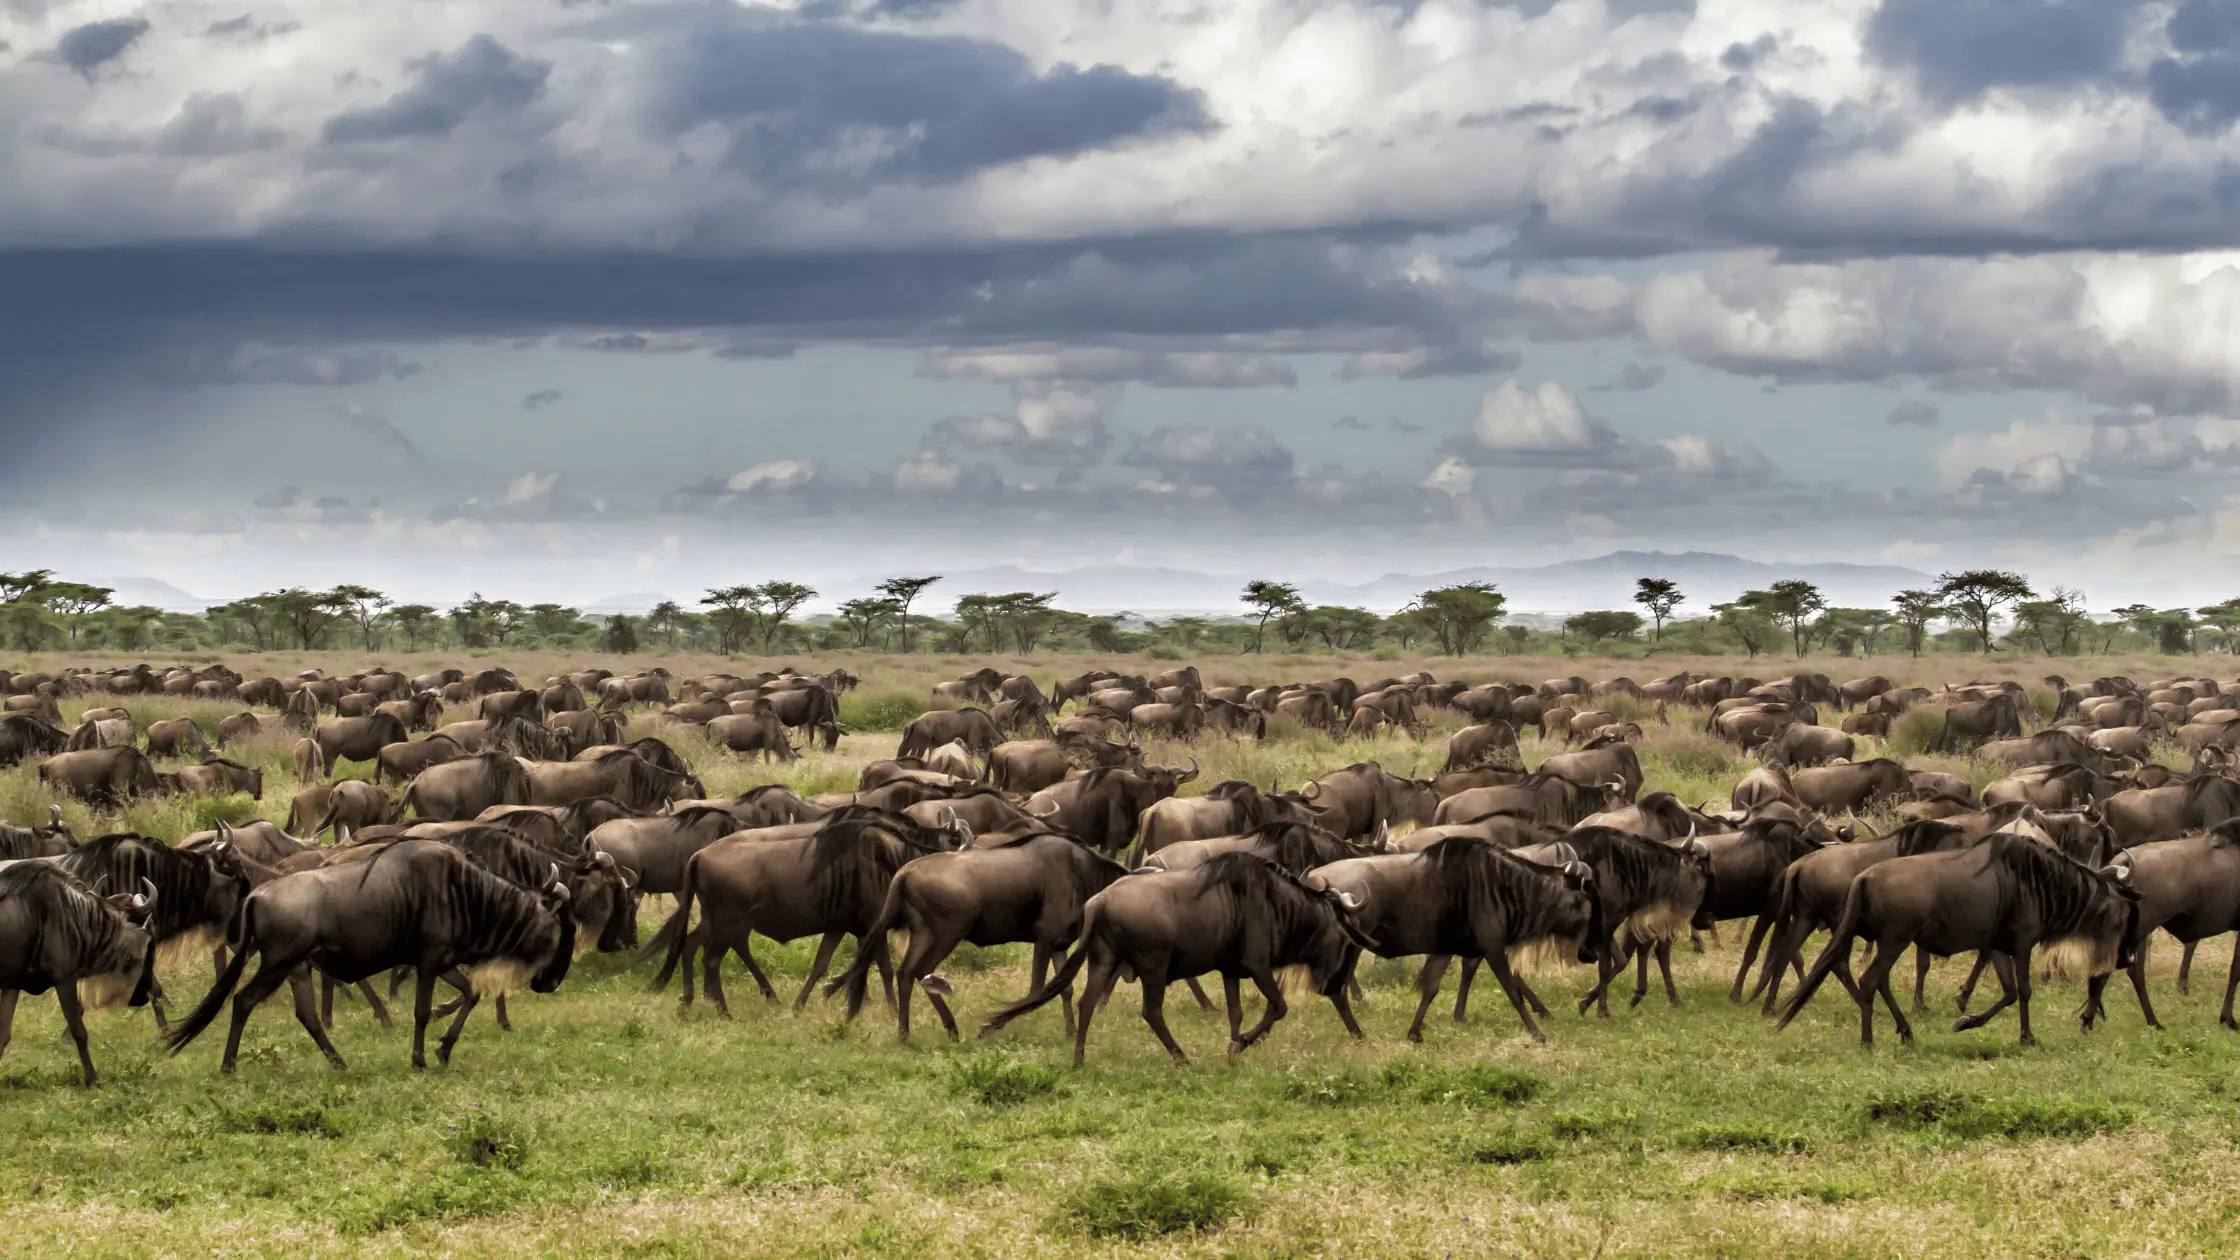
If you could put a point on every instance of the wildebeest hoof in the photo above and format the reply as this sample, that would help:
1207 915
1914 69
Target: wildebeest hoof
1236 1047
938 985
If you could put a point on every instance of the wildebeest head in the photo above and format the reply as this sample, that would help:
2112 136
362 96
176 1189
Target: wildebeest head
552 900
602 898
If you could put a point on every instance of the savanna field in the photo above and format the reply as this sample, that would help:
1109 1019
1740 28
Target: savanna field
607 1124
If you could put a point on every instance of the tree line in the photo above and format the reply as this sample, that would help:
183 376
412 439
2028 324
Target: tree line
1976 609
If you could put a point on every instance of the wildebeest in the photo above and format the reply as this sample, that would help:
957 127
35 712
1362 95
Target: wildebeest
1102 807
812 709
104 776
830 883
620 773
1977 721
2007 895
24 735
198 891
1238 915
1027 766
1031 889
2045 748
1812 889
357 738
406 760
1487 743
52 840
1465 896
416 903
1851 785
1801 745
1601 761
1652 890
216 775
56 933
757 732
2189 888
1355 801
176 737
458 790
1228 808
2138 815
1544 797
972 727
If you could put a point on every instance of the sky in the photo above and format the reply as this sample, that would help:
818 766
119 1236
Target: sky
571 298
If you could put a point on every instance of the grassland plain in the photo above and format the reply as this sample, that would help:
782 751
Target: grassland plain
607 1124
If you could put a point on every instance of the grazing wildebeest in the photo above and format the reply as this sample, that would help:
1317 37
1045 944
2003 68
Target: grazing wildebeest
1029 889
972 727
2007 895
830 883
1492 743
757 732
52 840
1801 745
407 760
1603 760
358 738
176 737
812 709
217 775
238 727
1238 914
416 903
1850 786
23 735
2044 749
1978 721
1465 896
56 933
103 776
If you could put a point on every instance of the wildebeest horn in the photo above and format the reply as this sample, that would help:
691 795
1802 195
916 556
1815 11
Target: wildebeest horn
1193 772
1052 812
1312 789
146 900
1351 902
1565 854
54 815
1697 848
1382 841
2120 870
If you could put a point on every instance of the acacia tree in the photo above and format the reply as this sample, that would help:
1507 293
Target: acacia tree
74 602
731 611
2225 617
1460 615
2053 623
15 586
365 606
620 636
902 590
415 620
1915 610
1604 624
1660 596
1270 600
1749 623
1977 595
774 602
863 617
1792 603
664 619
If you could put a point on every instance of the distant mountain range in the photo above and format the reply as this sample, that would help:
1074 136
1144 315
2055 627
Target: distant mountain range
1606 581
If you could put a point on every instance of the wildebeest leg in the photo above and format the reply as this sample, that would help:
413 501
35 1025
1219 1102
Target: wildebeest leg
155 1003
2001 967
505 1024
326 1000
2092 991
1664 967
1640 971
1975 973
1427 985
1154 980
817 968
2231 978
1204 1003
7 1016
1921 964
307 1014
1462 989
1881 982
467 1003
423 1005
1511 985
1607 968
885 965
1235 1002
2138 973
396 980
745 950
1344 1006
264 984
926 952
1750 948
1093 991
2185 967
2022 987
1788 938
218 958
1272 993
74 1014
712 951
380 1011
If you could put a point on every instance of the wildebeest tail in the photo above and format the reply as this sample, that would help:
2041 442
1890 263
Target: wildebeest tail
669 941
244 944
1838 949
1778 917
854 978
1060 980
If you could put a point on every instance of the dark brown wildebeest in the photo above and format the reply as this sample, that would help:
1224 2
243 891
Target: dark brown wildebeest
415 903
562 695
56 933
982 809
1600 762
972 727
1978 721
1238 915
1751 722
2190 888
217 775
579 729
1851 786
52 840
1355 801
1801 745
1228 808
830 883
657 848
198 891
618 772
2057 786
526 705
24 735
456 791
103 776
1102 807
1235 719
760 732
1078 686
418 712
404 761
358 738
356 805
1813 888
1021 717
1659 816
1488 743
1485 704
1465 896
238 727
1185 720
1295 846
1874 724
1031 889
1652 890
1501 830
2138 815
1546 798
2044 749
2007 896
811 709
1747 867
176 737
1860 690
1311 708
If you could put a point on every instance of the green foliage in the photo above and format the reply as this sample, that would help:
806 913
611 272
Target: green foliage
1964 1115
1915 730
1660 596
1269 600
1413 1079
1145 1205
879 710
1594 627
1761 1138
1000 1080
1976 596
1458 616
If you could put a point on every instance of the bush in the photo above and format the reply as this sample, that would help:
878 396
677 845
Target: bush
1150 1204
486 1140
1001 1081
880 711
1915 730
2021 1116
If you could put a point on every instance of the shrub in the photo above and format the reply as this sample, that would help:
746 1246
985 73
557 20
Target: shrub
486 1140
1150 1204
880 711
1915 730
1001 1081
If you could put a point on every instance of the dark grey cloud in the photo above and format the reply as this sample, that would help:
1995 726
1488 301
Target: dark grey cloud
820 104
248 30
1914 412
2199 88
85 49
1213 456
1958 49
213 125
356 419
1424 361
1354 423
278 365
1634 378
1210 368
541 399
1742 58
482 77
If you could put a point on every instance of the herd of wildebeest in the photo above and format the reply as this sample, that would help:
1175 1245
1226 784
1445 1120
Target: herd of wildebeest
531 832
